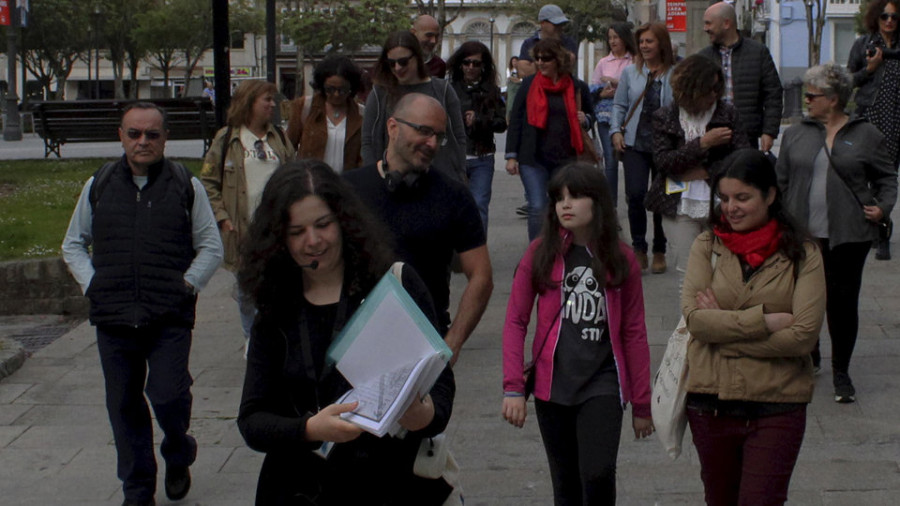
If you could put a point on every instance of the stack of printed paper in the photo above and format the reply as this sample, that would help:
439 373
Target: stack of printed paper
391 354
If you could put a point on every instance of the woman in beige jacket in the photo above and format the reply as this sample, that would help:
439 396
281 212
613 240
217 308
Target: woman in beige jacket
753 299
237 166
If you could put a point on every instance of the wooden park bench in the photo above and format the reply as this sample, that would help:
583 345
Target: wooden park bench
61 121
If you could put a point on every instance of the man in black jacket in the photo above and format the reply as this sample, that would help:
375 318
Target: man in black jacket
142 243
752 84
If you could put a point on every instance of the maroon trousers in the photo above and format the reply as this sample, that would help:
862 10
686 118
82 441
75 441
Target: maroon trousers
747 462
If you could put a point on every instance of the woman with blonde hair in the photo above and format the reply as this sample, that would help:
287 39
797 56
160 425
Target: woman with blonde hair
242 157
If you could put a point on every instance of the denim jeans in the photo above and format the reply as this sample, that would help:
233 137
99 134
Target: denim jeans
639 169
610 163
535 179
480 172
152 360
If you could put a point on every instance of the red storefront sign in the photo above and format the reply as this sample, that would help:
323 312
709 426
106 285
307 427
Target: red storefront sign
4 13
676 15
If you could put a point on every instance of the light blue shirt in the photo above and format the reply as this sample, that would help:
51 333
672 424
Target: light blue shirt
631 85
204 232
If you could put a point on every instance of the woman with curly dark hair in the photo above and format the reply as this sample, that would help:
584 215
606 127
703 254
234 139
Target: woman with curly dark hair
474 78
690 139
327 126
876 73
313 254
400 70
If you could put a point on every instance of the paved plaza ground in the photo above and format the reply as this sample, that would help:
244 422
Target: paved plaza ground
56 444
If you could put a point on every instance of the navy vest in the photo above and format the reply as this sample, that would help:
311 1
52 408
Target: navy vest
142 247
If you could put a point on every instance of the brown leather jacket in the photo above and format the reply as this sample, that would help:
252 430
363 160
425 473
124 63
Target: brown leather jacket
731 354
309 137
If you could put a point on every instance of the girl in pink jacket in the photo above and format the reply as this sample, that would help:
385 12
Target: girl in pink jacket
590 346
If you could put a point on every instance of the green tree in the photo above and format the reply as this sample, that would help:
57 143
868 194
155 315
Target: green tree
54 41
151 34
815 23
340 25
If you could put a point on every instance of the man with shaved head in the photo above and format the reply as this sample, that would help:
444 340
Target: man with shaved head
752 84
430 215
428 31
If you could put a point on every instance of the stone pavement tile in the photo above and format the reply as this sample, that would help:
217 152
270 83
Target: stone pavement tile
667 499
243 460
22 470
508 488
12 412
659 479
842 475
90 476
9 433
41 437
223 401
38 369
9 391
65 415
857 498
78 386
825 451
232 377
221 432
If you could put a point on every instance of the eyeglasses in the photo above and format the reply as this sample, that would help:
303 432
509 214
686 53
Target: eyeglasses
893 16
544 58
260 147
425 131
135 134
813 96
334 90
472 63
399 61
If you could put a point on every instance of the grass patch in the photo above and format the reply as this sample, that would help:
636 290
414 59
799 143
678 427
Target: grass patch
37 198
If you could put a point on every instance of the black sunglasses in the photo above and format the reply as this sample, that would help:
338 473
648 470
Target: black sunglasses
260 148
425 131
813 96
334 90
544 58
889 15
473 63
399 61
135 134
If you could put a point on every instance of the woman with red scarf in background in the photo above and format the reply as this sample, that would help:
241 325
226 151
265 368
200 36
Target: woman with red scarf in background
753 300
545 125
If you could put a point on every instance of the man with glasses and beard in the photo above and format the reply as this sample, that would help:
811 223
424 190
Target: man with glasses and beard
142 243
430 215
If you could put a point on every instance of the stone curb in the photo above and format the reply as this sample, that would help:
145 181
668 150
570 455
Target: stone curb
12 356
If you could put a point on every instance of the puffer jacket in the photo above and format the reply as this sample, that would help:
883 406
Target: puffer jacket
226 184
731 354
627 330
757 87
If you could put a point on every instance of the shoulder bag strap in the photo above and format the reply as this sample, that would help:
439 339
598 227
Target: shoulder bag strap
839 175
650 79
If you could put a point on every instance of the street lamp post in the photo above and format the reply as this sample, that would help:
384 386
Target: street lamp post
492 34
97 14
90 62
12 128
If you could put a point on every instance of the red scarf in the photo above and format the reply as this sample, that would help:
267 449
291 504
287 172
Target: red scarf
538 108
753 247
